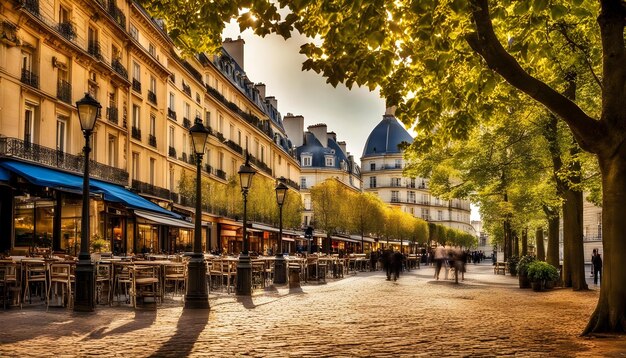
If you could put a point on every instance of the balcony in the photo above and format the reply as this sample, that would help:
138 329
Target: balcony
136 133
220 136
186 123
64 91
187 89
171 113
136 86
193 71
112 115
94 49
119 68
67 30
32 6
220 174
184 158
17 148
116 14
152 97
152 140
293 184
149 189
172 152
234 146
30 78
208 169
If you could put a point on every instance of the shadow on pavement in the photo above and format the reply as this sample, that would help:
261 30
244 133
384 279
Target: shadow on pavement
190 324
143 319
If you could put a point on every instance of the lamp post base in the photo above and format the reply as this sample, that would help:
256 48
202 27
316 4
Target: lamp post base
280 274
197 296
85 287
244 276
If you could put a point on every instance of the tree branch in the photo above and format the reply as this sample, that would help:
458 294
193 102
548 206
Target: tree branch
590 133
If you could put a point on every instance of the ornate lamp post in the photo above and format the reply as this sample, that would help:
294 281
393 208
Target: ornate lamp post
88 109
244 268
197 295
280 276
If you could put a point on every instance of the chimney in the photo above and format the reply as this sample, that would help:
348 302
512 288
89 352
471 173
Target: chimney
342 145
320 131
294 128
272 101
235 49
261 88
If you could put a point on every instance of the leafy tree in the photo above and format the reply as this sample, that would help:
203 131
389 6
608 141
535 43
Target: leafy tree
328 208
365 213
423 55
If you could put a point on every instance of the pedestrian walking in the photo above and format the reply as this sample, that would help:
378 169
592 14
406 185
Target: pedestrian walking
596 264
440 257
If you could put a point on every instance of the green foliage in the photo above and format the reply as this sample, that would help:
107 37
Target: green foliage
522 264
542 271
513 260
98 243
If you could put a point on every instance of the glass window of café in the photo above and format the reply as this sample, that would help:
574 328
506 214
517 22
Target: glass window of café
182 239
33 222
147 238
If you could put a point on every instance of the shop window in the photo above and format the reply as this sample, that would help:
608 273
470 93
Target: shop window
33 222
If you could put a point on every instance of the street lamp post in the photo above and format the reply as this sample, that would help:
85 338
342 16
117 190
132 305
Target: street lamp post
280 275
88 109
244 268
197 295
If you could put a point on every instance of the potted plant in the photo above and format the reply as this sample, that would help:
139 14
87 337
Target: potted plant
513 265
97 244
522 270
540 272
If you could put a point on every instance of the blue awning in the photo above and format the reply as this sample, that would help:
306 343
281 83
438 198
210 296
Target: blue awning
53 178
4 175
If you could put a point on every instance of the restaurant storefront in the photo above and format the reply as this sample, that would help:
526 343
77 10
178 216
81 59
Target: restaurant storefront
41 207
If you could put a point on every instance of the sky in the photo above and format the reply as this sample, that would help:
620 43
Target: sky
351 114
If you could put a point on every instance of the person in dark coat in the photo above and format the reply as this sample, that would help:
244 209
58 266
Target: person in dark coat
596 262
397 259
385 259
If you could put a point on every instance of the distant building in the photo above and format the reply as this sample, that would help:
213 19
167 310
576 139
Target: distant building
321 157
382 174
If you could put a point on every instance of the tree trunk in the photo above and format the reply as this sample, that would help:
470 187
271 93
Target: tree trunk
515 243
573 260
610 313
541 250
552 256
524 242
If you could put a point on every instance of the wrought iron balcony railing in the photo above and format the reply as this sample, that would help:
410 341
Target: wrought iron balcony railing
172 152
220 174
186 123
112 114
234 146
119 68
171 113
17 148
32 6
136 85
30 78
136 133
116 14
67 30
149 189
94 49
152 140
187 89
152 97
64 91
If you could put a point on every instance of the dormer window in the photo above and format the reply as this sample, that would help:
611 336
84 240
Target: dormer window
329 161
307 160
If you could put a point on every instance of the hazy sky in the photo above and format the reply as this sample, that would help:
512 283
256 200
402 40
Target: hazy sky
352 114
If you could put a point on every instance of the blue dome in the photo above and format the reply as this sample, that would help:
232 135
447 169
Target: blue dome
386 137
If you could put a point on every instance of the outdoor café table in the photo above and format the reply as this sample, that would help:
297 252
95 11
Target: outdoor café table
160 264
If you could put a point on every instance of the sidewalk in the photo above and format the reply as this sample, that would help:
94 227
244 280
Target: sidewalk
362 315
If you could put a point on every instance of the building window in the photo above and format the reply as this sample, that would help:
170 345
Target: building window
395 196
153 124
329 161
221 161
172 187
411 197
398 163
425 199
187 111
303 183
439 215
425 214
395 182
263 154
152 49
29 123
372 166
152 170
136 116
306 160
136 71
372 182
220 125
61 133
134 33
207 119
112 151
171 105
171 136
135 166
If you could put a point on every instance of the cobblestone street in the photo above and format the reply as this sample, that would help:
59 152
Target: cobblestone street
361 315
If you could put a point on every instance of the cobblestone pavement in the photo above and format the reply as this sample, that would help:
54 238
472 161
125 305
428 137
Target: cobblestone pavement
361 315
